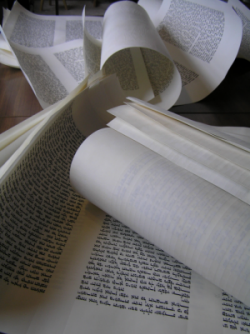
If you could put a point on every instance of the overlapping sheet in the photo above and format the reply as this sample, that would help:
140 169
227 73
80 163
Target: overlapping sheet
177 54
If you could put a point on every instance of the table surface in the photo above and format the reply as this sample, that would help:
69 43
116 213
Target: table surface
227 105
17 100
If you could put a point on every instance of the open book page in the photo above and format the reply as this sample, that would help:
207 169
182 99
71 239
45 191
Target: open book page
63 260
203 39
52 72
158 113
42 170
131 286
132 49
32 30
52 44
191 219
128 32
237 136
244 14
9 150
8 136
43 173
16 132
217 145
97 98
190 156
15 140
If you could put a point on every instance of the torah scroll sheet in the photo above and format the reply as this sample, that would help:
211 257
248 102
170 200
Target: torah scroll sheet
203 38
198 223
63 259
49 50
52 72
133 50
